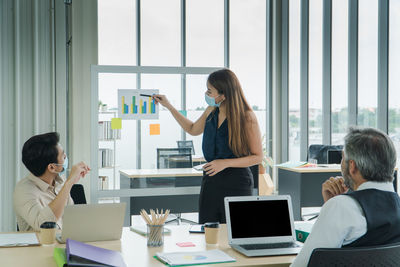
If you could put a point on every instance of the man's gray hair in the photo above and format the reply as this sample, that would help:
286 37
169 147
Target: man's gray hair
373 153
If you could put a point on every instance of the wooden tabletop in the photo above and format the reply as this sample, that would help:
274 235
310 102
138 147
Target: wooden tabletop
136 253
154 173
318 168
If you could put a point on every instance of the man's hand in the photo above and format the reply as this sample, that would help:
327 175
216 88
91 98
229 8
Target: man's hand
332 187
78 171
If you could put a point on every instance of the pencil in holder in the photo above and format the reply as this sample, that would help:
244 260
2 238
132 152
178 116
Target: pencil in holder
155 235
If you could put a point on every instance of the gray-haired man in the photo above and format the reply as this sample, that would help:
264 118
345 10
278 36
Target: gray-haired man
370 214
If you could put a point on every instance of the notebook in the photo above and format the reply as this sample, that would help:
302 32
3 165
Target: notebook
81 254
18 240
261 225
93 222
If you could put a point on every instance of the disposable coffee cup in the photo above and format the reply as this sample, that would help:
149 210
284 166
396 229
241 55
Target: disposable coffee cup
47 234
211 230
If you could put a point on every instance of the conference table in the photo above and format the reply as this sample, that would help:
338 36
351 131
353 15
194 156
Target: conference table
136 253
176 189
304 184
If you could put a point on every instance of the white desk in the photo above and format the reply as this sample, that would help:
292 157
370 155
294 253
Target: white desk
180 194
136 253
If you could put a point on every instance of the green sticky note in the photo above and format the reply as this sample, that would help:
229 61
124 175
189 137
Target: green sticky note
116 123
183 112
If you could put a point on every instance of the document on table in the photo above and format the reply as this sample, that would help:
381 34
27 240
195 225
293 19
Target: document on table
194 257
18 240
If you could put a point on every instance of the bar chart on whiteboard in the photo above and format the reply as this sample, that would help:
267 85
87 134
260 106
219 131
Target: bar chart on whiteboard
137 104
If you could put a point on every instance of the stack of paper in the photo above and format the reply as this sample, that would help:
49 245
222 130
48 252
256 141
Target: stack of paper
18 240
194 258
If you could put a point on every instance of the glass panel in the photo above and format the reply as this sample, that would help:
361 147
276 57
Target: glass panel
315 73
161 33
205 33
170 131
294 80
394 77
247 54
339 70
196 86
123 148
367 62
116 32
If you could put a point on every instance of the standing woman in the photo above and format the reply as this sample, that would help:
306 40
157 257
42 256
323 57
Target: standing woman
231 143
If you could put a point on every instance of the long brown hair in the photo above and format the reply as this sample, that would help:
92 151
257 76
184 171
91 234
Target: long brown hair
226 83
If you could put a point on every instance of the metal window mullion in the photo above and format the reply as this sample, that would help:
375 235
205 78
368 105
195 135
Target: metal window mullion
285 80
226 34
383 61
353 63
183 60
268 125
304 29
138 85
327 72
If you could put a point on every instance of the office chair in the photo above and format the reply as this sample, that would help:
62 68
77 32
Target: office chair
186 143
168 158
320 152
254 170
78 194
384 255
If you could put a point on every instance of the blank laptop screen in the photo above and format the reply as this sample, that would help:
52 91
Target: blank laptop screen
260 218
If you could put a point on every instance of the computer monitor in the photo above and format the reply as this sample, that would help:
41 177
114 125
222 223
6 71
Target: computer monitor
334 156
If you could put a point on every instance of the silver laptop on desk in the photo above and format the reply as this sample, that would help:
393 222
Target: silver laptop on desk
92 222
261 225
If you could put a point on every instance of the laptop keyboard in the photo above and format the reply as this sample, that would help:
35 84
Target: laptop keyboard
269 246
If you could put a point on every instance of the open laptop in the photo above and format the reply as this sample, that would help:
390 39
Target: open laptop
92 222
261 225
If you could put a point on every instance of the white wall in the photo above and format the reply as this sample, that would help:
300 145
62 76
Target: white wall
84 53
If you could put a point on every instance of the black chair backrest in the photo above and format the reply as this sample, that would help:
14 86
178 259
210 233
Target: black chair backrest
78 194
168 158
186 144
254 171
385 255
320 152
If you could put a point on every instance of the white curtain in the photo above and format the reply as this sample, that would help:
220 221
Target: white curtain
27 89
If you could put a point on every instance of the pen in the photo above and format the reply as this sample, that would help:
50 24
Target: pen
145 95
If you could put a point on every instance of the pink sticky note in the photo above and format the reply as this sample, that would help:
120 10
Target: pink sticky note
186 244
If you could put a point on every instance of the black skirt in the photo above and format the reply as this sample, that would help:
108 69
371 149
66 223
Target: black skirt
228 182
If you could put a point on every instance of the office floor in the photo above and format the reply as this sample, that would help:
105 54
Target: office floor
137 219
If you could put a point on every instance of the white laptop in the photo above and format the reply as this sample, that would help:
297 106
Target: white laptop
261 225
92 222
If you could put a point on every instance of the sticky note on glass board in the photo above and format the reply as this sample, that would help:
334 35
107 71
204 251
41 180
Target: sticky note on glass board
154 129
116 123
183 112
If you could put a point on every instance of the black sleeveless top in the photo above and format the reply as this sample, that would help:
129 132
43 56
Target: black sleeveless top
382 213
216 140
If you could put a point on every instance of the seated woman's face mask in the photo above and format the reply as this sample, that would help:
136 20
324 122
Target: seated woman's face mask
211 101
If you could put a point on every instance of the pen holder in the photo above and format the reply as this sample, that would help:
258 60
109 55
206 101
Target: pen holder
155 235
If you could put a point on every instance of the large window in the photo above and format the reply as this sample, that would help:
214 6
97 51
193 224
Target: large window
294 79
367 62
204 33
339 70
315 73
394 77
247 53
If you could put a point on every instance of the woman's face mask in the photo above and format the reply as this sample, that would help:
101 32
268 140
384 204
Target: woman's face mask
211 101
